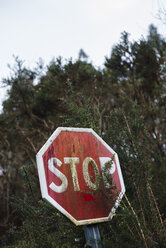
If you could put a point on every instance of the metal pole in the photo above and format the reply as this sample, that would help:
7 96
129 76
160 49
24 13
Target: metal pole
92 236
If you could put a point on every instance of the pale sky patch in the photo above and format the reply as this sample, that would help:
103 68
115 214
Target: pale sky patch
45 29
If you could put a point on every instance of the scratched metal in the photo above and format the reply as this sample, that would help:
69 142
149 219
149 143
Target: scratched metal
74 178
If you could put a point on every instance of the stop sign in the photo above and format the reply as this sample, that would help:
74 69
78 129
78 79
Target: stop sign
71 167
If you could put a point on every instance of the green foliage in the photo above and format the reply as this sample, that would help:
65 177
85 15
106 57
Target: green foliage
42 225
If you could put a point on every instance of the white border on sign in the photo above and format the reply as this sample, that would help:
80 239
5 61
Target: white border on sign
42 178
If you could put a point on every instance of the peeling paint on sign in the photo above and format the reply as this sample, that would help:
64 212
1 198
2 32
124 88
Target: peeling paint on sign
71 168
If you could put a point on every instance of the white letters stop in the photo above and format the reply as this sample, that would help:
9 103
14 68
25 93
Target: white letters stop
72 162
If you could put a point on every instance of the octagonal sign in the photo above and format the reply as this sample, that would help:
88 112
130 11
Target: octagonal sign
73 176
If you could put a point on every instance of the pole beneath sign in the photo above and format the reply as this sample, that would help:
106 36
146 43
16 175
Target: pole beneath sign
92 236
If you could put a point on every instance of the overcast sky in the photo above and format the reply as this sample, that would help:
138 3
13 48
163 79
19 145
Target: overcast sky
33 29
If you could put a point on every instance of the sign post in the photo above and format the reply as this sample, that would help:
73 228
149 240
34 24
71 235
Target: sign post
92 236
71 167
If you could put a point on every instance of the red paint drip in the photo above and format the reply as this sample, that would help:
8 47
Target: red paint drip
88 197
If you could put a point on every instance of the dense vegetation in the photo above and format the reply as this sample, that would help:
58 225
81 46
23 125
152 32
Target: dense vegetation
125 103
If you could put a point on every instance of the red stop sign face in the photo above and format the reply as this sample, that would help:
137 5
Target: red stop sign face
71 167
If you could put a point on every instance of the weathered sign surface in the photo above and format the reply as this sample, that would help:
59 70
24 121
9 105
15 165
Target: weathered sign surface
71 167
